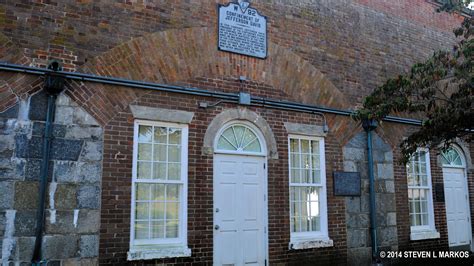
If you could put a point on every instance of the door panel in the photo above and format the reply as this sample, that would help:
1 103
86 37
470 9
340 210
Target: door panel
239 208
457 208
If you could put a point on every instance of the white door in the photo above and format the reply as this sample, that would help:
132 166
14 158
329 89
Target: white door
239 210
457 208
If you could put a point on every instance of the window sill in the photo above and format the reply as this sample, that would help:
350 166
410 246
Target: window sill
421 235
310 243
157 252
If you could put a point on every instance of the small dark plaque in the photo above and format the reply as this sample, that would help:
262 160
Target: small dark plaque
439 192
346 184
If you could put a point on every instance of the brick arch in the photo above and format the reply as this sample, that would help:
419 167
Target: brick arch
175 56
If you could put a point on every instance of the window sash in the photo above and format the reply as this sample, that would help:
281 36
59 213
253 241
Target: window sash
321 187
416 171
182 188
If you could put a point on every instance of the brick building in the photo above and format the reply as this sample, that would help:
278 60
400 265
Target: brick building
158 156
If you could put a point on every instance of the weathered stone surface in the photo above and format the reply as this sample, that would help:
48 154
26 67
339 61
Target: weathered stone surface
89 172
304 129
64 115
7 192
33 170
353 204
390 186
7 145
65 197
391 219
387 236
38 106
11 112
354 154
65 171
28 148
358 238
159 114
92 151
80 262
89 246
84 132
88 197
12 169
81 117
60 247
24 248
350 166
359 256
88 222
66 149
59 131
385 171
358 141
26 195
25 223
385 202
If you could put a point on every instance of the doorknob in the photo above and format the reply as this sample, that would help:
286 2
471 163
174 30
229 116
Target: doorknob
216 227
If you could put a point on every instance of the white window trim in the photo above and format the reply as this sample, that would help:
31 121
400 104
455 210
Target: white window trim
161 248
429 231
319 239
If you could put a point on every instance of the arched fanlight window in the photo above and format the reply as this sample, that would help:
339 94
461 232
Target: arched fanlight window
451 157
239 138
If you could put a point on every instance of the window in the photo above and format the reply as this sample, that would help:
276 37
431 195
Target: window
308 207
239 138
159 185
420 198
451 158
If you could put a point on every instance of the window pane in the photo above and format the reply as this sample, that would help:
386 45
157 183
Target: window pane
304 224
316 163
141 230
175 136
295 160
144 170
158 229
160 135
144 133
159 171
316 177
305 176
229 135
174 171
315 147
224 144
172 193
239 135
315 223
142 191
172 229
295 176
174 153
254 146
157 192
424 218
144 151
141 211
305 146
172 211
159 153
306 161
158 210
294 146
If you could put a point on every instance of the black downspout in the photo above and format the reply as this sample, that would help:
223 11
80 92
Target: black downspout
53 86
369 126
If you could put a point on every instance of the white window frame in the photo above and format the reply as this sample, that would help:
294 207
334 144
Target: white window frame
419 232
322 235
181 241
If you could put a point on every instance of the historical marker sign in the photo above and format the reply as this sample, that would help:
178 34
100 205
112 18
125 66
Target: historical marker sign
346 184
242 30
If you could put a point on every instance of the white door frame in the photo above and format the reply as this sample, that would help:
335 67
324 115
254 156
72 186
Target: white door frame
265 180
466 188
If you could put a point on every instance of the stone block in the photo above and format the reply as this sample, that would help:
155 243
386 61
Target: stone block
390 186
12 169
80 262
25 223
26 195
92 151
384 171
88 222
65 197
391 219
7 192
38 106
60 247
389 157
354 154
84 132
89 246
379 144
24 248
359 256
358 141
89 172
28 148
59 131
81 117
33 170
350 166
11 112
65 171
64 115
88 197
352 204
66 149
387 236
385 202
357 238
7 145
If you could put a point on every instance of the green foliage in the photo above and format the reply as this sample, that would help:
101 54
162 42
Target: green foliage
440 89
